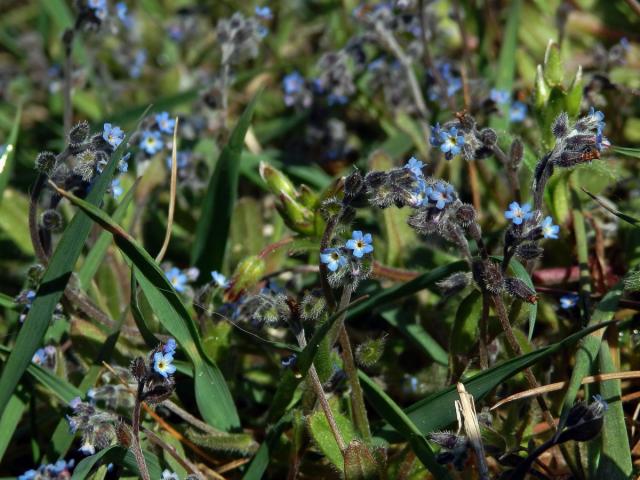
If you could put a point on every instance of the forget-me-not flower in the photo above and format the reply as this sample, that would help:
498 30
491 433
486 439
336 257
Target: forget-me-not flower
162 364
451 141
113 135
499 96
333 258
165 123
177 278
442 193
219 279
517 112
116 188
549 230
264 13
415 166
151 142
360 244
170 346
517 213
568 301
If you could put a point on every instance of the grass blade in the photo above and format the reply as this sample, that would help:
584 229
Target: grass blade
8 154
615 457
437 410
10 419
54 281
212 231
119 456
170 310
629 152
627 218
393 414
260 461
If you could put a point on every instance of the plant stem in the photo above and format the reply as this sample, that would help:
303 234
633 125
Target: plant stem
137 450
67 39
582 248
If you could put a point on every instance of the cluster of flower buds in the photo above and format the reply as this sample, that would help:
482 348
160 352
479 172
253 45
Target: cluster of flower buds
239 38
61 470
96 426
462 137
454 448
155 376
579 143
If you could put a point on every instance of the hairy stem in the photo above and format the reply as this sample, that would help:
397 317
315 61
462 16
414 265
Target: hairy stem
68 107
135 444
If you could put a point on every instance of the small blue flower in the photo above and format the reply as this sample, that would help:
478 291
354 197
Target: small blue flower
517 112
333 99
28 475
170 346
333 258
165 123
436 133
139 60
123 164
569 301
264 13
420 195
182 160
99 8
116 188
219 279
87 448
518 214
122 13
112 135
415 166
40 357
499 96
151 142
169 475
549 230
162 364
360 244
442 193
292 85
451 141
75 402
603 403
91 395
177 279
73 425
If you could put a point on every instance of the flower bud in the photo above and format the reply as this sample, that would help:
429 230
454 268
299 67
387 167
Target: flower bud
46 162
51 220
541 90
248 272
465 215
493 281
276 181
79 133
553 68
516 153
296 216
488 137
307 197
353 185
529 251
454 283
517 288
138 369
313 305
370 352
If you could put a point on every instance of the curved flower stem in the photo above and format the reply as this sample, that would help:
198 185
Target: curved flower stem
512 174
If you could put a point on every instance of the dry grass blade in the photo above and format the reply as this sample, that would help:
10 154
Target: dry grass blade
465 408
552 387
172 193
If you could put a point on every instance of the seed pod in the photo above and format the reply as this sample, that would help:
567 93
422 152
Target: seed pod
516 153
465 215
517 288
46 162
529 251
79 133
488 137
277 181
51 220
445 439
313 305
493 281
138 369
353 185
454 283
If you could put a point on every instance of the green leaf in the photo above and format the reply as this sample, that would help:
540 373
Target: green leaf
323 437
622 216
94 258
52 286
212 231
393 414
425 281
416 333
506 68
615 457
120 456
629 152
10 419
8 154
465 328
14 222
174 316
260 461
520 272
437 410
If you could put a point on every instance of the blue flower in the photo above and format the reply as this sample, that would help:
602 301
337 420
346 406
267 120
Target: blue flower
436 132
75 402
549 230
442 193
292 85
219 279
73 425
569 301
40 357
123 164
518 214
112 135
99 8
87 448
360 244
603 403
420 195
139 60
415 166
333 258
28 475
151 142
451 141
177 279
499 96
165 123
162 364
264 13
116 188
517 112
122 13
170 346
182 160
289 361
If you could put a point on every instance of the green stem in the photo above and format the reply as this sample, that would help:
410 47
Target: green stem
582 248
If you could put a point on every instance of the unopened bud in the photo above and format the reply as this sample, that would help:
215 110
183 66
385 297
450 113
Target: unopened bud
248 272
296 216
79 133
51 220
277 181
517 288
370 352
46 162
